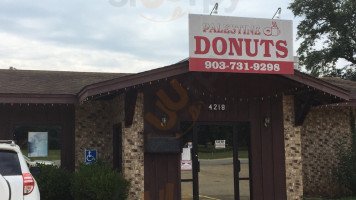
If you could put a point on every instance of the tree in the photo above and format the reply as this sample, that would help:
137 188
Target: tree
332 24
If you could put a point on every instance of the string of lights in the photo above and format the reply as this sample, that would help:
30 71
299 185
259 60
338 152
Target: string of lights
226 98
206 95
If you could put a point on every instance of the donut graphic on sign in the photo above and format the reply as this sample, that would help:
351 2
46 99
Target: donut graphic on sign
272 30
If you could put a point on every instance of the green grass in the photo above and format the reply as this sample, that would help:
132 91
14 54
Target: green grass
211 153
243 154
52 155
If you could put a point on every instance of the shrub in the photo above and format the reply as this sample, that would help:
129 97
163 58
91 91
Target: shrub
54 182
99 181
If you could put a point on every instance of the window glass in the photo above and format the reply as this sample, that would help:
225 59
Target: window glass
10 164
40 144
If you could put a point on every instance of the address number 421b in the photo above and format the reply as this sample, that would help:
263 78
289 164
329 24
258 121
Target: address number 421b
217 107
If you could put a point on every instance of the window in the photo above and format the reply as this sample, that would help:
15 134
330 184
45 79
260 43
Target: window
10 164
49 149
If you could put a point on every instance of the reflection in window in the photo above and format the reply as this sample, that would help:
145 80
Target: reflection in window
39 144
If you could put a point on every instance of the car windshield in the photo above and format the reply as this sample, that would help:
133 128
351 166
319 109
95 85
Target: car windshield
10 164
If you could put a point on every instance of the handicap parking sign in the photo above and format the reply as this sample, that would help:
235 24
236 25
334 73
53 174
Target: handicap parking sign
91 156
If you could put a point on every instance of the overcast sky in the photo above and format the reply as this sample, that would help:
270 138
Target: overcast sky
109 35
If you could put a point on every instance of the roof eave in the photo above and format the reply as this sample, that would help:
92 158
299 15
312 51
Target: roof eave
352 103
183 67
134 79
38 98
319 84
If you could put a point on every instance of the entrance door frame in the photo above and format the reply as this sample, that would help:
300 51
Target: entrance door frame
196 164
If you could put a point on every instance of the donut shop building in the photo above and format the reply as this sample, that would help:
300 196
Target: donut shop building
194 129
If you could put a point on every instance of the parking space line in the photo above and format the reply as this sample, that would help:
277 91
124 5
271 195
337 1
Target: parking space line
207 197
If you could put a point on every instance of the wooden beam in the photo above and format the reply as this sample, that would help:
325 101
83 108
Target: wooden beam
302 107
130 104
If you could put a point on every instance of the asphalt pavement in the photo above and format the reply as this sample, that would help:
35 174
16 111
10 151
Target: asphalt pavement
216 180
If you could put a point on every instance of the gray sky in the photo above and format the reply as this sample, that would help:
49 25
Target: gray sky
109 35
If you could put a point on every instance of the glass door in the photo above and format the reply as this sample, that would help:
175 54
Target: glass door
220 161
243 143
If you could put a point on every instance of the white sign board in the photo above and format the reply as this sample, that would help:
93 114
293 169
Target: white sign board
240 45
219 144
186 154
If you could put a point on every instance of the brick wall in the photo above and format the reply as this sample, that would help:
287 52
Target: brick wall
133 152
310 149
94 130
293 151
322 129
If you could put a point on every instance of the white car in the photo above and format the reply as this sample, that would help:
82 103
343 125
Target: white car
16 181
33 163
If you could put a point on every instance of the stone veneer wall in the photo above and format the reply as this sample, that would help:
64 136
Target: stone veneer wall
133 152
309 149
94 130
322 129
293 151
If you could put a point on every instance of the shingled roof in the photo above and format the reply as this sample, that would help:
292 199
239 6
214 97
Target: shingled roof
346 84
49 82
33 86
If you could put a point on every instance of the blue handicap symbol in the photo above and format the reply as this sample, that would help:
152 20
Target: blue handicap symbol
90 156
